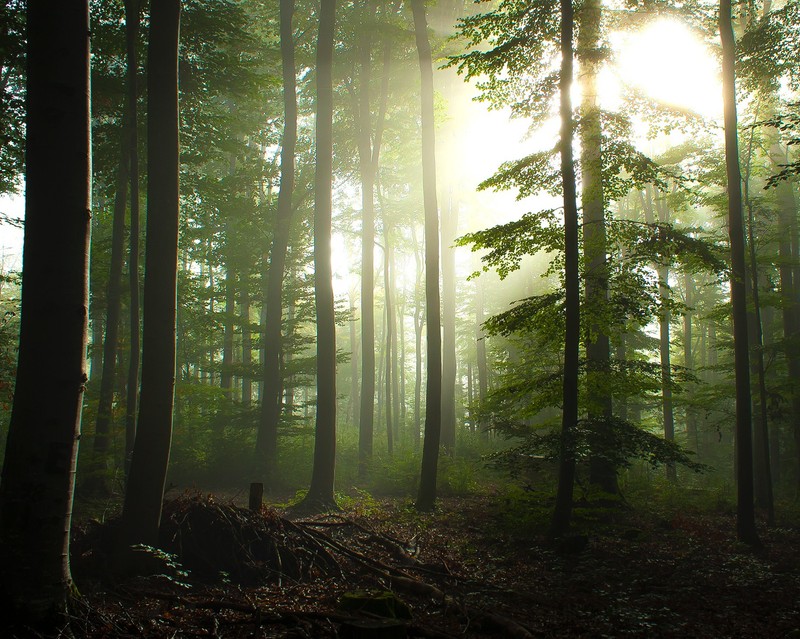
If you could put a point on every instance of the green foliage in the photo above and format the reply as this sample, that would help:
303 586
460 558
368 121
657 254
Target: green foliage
12 94
617 440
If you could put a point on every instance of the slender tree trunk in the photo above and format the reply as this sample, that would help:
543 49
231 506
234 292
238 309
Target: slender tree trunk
320 493
433 390
449 231
745 515
762 471
247 344
367 171
266 452
688 362
480 348
419 319
132 400
389 312
566 467
141 513
354 355
39 467
226 377
113 299
598 347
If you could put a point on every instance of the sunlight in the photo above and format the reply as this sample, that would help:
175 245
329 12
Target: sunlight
668 63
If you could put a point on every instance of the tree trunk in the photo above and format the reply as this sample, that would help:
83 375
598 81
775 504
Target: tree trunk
688 362
266 451
389 344
113 298
745 515
601 471
39 467
566 467
320 493
354 355
247 344
132 399
449 231
433 388
480 348
226 377
419 319
141 513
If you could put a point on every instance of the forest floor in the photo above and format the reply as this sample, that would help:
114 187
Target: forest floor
474 568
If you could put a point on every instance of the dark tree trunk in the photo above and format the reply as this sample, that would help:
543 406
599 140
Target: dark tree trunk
247 343
39 468
266 453
226 378
132 399
433 388
601 471
449 231
320 493
113 296
688 362
566 467
141 513
480 348
745 515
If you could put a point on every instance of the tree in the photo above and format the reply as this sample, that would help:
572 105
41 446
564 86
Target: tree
433 388
132 399
267 438
141 513
39 468
745 515
320 493
569 411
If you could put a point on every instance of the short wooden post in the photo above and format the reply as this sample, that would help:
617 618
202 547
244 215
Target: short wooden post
256 496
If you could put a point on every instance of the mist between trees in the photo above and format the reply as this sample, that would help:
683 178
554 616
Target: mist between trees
421 249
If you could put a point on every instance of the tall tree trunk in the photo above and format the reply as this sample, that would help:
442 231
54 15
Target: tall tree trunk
113 296
419 319
266 451
480 348
247 343
433 389
788 260
320 493
389 312
745 515
141 513
449 231
226 376
762 471
688 362
569 419
668 414
39 467
368 154
354 355
132 399
601 471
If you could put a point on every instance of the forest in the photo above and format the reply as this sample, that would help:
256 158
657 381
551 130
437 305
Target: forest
399 318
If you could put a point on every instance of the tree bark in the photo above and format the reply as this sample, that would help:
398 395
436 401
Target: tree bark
141 513
569 419
599 409
745 515
37 484
433 388
320 493
449 231
132 399
266 451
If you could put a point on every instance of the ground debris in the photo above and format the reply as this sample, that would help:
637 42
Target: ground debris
263 574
